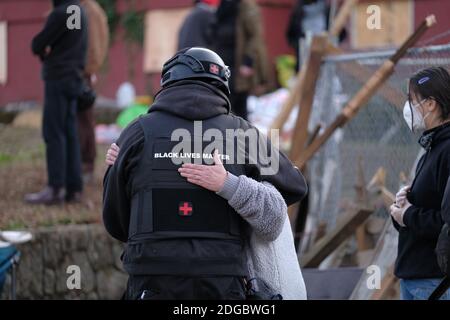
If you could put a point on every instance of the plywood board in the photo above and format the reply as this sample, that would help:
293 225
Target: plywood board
161 36
397 23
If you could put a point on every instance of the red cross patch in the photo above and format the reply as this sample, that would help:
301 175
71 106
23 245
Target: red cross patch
185 209
213 68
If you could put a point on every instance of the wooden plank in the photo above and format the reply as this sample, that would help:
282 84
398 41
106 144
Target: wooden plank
330 242
387 285
362 240
300 134
384 258
342 17
292 100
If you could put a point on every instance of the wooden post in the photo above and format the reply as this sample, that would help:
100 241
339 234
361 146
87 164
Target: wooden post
361 197
293 99
300 134
318 48
342 17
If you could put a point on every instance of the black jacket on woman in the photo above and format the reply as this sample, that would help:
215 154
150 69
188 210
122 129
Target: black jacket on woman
417 241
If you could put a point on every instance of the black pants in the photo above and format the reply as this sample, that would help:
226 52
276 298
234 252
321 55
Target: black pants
86 134
184 288
239 104
60 134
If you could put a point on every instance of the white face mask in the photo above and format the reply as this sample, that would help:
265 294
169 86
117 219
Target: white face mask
413 118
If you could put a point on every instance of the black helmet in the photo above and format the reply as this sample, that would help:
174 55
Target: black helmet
196 63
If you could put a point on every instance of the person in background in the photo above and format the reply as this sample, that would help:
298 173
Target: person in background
417 213
96 53
238 37
194 31
308 18
63 54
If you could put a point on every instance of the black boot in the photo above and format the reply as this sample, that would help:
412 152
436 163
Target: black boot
48 196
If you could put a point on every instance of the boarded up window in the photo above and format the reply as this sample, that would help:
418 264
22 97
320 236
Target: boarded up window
397 23
3 52
161 36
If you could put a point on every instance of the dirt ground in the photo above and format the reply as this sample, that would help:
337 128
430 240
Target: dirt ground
23 170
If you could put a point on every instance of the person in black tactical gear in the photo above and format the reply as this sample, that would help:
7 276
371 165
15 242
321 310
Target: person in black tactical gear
195 29
184 241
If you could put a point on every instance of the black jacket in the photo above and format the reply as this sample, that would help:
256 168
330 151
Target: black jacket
195 30
189 100
445 210
223 33
68 46
424 220
443 244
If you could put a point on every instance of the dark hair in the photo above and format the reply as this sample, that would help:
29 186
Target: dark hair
432 83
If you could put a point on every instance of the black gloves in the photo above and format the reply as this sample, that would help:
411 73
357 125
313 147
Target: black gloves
443 250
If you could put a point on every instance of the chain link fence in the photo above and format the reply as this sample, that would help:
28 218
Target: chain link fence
377 136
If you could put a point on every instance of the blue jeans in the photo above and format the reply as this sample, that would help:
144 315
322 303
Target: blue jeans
420 289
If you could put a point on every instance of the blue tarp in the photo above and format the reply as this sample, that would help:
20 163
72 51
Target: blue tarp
6 255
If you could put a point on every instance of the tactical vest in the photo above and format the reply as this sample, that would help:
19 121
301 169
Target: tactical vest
178 228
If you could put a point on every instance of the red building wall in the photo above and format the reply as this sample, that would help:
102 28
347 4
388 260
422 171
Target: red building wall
26 17
441 9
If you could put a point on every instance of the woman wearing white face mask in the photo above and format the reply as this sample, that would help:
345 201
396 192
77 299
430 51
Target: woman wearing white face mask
417 213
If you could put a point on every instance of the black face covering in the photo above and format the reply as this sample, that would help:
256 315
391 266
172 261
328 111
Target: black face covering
227 9
58 2
310 1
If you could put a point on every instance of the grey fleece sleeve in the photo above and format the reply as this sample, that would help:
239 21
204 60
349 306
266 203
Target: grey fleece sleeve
259 203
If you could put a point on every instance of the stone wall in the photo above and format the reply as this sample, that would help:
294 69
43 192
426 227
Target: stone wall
42 271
